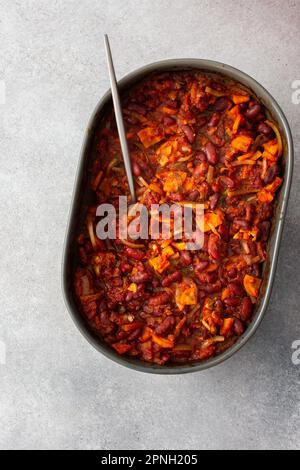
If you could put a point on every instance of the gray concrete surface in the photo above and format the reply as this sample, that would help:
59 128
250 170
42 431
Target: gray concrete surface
56 391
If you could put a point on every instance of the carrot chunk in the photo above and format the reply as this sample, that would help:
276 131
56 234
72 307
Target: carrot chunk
227 326
242 143
237 99
150 136
252 285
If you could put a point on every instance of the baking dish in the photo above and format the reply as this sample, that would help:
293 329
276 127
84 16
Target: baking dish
81 196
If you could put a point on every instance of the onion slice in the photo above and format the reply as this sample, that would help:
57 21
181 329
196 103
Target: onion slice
90 227
131 244
278 136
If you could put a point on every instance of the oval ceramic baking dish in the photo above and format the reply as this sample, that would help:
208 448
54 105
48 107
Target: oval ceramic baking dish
80 195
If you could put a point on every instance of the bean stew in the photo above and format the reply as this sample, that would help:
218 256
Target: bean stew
193 138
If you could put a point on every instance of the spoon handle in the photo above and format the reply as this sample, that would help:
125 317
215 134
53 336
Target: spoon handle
119 119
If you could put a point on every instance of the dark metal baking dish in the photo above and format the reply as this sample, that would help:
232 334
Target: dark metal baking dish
69 257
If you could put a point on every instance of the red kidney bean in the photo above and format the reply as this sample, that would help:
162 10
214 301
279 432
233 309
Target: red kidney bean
219 142
232 273
206 277
241 223
246 309
170 278
243 106
201 121
165 357
90 309
190 135
232 301
236 288
219 305
214 201
129 296
253 111
211 153
222 104
205 242
250 213
171 104
227 181
117 282
273 171
238 327
255 271
144 165
136 169
249 126
132 120
137 107
140 277
264 129
214 249
105 320
140 287
266 211
193 195
134 253
202 264
168 121
111 304
151 198
125 267
121 335
186 257
264 229
216 187
159 299
224 232
177 197
165 326
200 156
200 169
134 335
102 305
260 117
257 183
214 120
211 288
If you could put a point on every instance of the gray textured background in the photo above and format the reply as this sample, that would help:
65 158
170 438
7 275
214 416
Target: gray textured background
56 391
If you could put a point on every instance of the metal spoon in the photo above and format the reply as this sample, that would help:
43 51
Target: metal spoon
119 119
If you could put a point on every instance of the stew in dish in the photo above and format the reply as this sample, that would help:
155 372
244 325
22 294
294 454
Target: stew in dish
193 138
